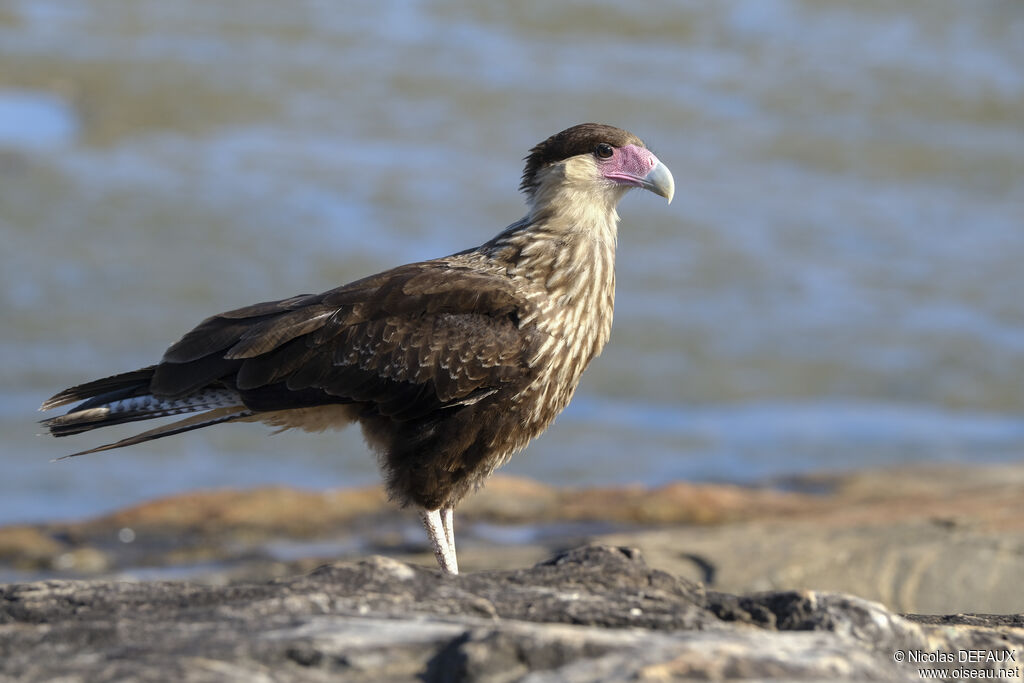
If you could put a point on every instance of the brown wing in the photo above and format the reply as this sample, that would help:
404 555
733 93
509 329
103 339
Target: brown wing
409 341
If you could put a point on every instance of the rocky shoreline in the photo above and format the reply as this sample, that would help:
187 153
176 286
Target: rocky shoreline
683 581
934 540
596 613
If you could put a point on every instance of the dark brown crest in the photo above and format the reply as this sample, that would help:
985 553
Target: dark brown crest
580 139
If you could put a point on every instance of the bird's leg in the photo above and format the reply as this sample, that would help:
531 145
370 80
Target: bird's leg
444 552
448 522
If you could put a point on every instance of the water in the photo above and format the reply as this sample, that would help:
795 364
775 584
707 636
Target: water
32 120
836 285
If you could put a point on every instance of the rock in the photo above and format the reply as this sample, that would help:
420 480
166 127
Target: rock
268 531
596 613
25 547
918 539
923 539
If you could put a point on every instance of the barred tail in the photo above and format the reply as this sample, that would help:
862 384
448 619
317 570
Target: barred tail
126 398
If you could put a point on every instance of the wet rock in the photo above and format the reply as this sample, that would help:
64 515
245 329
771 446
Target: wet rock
596 613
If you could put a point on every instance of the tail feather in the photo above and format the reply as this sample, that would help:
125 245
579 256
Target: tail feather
211 417
113 388
102 412
126 398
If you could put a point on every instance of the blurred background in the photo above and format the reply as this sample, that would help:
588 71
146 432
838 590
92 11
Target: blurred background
838 283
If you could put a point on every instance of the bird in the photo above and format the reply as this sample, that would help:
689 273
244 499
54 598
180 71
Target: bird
450 366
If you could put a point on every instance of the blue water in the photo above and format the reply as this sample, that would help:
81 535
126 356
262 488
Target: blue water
836 284
33 120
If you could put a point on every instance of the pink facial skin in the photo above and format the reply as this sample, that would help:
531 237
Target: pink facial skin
629 165
635 166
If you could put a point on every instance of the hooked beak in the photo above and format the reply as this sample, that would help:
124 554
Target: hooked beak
636 166
659 181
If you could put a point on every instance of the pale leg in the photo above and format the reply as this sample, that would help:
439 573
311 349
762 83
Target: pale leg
448 522
443 551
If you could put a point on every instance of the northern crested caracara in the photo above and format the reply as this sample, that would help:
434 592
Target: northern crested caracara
450 366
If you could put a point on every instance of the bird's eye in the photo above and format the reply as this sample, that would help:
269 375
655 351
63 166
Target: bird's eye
604 150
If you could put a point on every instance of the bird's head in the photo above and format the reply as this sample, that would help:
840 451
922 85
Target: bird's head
596 163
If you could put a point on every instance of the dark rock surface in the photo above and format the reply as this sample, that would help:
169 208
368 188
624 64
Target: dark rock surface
596 613
922 539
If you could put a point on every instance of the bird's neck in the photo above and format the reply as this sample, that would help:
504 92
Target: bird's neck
564 252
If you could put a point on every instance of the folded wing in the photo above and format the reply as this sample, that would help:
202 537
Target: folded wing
416 339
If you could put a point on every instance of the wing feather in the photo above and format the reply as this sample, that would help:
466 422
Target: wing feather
270 333
213 335
415 339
